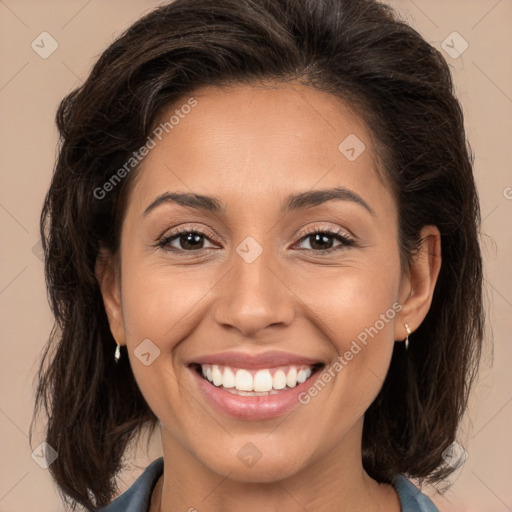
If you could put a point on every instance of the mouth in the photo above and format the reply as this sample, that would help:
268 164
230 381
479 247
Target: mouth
256 382
250 386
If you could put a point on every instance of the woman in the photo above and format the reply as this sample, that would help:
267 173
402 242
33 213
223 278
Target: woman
243 241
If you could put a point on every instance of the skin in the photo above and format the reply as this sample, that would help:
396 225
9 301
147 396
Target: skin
251 146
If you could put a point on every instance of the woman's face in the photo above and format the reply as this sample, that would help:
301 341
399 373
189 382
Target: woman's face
277 164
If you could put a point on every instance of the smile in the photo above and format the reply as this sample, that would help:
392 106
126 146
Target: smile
262 382
253 388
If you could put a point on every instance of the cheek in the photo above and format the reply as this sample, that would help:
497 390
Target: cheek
158 303
358 315
160 308
356 302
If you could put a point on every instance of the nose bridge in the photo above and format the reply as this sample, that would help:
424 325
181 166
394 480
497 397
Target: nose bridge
253 297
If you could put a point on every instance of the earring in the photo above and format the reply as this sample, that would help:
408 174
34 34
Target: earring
407 338
117 353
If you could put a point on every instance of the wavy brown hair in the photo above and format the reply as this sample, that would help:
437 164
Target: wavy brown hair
401 86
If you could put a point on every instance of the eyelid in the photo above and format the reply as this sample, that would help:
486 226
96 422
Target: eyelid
300 234
168 233
327 229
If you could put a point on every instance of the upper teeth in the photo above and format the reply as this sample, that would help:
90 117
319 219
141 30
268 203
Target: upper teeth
259 381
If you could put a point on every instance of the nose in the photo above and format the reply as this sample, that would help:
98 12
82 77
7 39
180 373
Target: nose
254 296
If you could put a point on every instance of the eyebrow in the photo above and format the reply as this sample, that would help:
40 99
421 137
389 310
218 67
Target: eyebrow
292 202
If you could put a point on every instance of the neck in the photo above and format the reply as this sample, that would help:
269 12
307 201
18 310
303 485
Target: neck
334 481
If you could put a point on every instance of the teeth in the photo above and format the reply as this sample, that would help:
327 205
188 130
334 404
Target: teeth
279 380
291 378
252 393
302 376
216 375
243 380
228 379
261 382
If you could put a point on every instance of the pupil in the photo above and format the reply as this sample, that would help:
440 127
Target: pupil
190 238
321 239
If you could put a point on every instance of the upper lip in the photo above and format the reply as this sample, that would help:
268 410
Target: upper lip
269 359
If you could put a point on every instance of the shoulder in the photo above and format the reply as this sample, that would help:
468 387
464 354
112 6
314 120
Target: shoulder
411 498
137 498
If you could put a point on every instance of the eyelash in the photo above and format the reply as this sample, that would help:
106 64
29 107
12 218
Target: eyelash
333 232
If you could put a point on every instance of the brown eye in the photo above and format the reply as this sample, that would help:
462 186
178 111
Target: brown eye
185 240
322 240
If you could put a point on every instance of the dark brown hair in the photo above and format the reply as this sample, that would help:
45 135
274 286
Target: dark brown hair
358 50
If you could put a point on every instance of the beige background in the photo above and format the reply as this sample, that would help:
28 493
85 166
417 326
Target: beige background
30 90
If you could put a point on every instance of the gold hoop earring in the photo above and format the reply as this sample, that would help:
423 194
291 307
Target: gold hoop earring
407 338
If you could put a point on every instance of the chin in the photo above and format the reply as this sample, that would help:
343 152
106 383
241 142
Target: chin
261 468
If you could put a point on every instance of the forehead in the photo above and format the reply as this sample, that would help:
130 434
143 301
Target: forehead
246 143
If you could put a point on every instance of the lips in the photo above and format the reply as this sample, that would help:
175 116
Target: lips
253 387
269 359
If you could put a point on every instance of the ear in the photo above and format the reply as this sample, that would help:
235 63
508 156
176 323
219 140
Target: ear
108 276
418 287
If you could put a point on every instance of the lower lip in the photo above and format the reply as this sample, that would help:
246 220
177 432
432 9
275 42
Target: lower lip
252 407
